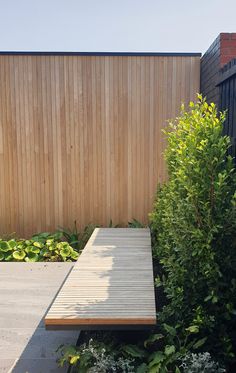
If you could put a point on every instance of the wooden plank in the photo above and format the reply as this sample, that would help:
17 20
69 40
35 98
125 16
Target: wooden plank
81 136
111 283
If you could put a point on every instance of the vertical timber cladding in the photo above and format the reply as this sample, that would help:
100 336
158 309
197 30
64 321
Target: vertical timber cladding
80 135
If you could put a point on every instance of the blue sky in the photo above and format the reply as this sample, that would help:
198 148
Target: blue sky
114 25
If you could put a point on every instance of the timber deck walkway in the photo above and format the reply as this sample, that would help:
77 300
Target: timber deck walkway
110 285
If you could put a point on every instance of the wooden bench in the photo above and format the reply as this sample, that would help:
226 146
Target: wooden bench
110 286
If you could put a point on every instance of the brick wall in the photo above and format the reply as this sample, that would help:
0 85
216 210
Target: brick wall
227 48
221 51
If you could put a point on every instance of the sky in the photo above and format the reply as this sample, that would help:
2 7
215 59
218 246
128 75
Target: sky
114 25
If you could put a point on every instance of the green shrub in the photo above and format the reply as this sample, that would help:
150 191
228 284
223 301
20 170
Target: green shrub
41 247
193 226
134 223
101 357
76 238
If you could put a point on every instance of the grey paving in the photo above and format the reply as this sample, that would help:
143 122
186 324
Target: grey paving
26 291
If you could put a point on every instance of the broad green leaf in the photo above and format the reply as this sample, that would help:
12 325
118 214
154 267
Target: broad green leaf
49 242
43 235
45 252
74 255
32 249
134 351
74 359
19 254
199 343
153 338
169 350
1 256
62 245
142 368
170 330
38 244
154 369
193 329
156 358
4 246
66 251
12 244
8 256
32 257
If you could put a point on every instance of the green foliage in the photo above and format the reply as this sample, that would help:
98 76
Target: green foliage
160 353
193 225
111 225
97 357
41 247
46 246
134 223
76 238
169 348
198 363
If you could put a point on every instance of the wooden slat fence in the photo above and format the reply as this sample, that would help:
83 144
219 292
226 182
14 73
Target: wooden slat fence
81 135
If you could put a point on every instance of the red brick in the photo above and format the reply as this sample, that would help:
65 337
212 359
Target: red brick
225 59
224 36
228 43
228 52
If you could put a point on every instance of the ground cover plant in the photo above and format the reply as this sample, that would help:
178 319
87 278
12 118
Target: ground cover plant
76 238
106 352
42 247
194 251
65 244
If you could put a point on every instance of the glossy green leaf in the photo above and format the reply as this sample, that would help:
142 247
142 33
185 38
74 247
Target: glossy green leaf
142 368
19 254
153 338
134 351
199 343
38 244
4 246
66 251
169 329
32 257
169 350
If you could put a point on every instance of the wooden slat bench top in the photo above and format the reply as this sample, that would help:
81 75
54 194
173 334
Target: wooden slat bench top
110 284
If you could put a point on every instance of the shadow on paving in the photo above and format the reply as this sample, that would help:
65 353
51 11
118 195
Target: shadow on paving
26 291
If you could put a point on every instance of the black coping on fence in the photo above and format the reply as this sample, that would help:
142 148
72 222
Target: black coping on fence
144 54
227 71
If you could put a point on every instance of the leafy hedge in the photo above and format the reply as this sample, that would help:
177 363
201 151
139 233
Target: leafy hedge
193 222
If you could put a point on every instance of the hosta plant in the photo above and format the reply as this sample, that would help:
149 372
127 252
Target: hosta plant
41 247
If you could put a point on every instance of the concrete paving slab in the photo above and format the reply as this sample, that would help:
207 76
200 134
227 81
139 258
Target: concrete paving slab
26 291
40 343
36 366
6 365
